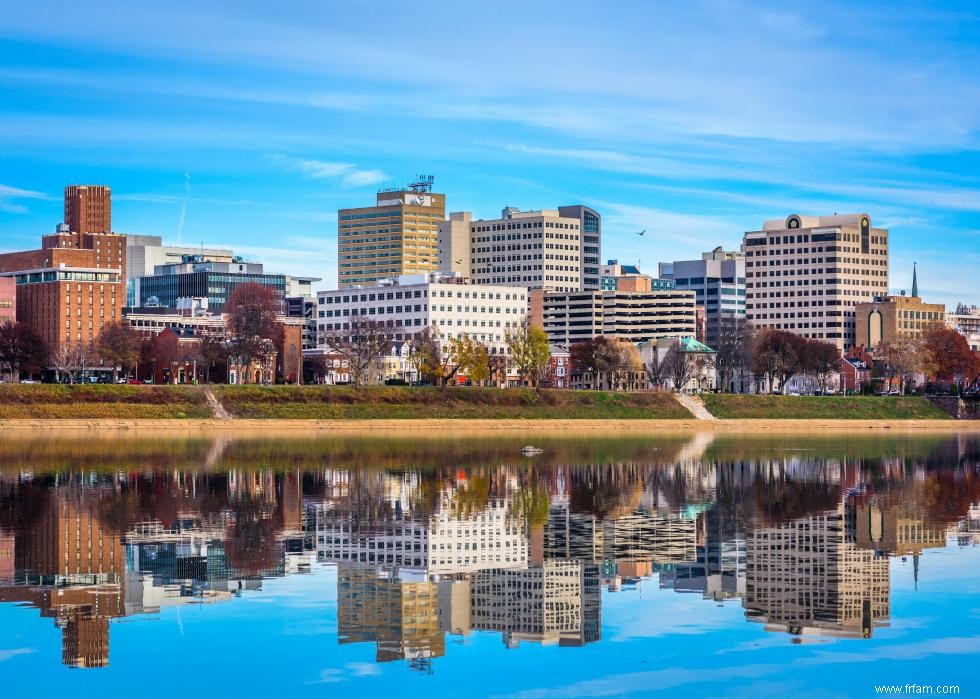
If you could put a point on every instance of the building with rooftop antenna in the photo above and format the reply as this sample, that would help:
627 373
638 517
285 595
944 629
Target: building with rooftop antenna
398 235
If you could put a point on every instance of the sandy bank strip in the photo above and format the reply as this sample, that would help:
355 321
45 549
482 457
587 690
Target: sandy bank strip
462 427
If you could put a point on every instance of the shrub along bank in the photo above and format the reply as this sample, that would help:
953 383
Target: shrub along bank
396 402
752 407
49 401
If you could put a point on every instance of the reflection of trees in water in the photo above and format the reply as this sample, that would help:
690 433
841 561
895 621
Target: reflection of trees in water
251 546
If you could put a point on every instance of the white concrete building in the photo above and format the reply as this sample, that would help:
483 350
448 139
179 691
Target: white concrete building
443 544
805 274
412 303
632 316
556 249
146 252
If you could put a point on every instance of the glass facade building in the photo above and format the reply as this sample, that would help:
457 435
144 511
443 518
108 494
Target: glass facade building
215 286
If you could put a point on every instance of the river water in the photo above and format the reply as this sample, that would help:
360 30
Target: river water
699 564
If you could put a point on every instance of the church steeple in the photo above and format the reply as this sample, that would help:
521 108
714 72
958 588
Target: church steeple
915 281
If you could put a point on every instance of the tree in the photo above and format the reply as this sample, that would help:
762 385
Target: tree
21 349
777 355
119 346
948 357
211 351
426 356
626 364
820 359
529 350
734 348
585 358
902 359
472 358
680 367
360 348
63 361
166 352
251 321
655 369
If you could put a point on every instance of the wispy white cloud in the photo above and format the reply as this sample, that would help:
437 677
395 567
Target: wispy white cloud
348 174
9 197
14 652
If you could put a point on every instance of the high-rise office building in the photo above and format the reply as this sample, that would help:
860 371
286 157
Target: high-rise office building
88 208
553 249
805 274
398 235
718 281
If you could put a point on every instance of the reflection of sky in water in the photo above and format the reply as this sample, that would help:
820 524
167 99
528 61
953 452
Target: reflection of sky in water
288 632
653 639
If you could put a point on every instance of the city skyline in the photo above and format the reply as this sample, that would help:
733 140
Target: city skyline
239 131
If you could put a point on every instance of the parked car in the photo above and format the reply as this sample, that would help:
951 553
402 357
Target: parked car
135 382
29 381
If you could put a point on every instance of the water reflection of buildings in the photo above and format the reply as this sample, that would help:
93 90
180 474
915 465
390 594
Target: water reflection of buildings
70 567
807 576
803 541
77 560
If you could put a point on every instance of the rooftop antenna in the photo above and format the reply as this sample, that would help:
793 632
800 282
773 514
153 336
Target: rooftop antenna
422 184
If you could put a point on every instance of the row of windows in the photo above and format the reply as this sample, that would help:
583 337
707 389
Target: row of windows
524 225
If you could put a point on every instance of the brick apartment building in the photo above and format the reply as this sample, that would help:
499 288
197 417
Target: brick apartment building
75 283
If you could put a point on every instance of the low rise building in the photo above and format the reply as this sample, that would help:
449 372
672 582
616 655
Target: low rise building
965 320
892 318
632 316
196 276
409 304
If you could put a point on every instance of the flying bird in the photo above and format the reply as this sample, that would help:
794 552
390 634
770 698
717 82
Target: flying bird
641 233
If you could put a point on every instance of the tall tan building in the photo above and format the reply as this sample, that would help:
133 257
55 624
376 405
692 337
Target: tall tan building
553 249
398 235
806 274
88 208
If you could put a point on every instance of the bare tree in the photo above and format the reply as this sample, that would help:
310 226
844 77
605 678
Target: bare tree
63 361
821 359
360 348
681 367
212 351
902 360
734 348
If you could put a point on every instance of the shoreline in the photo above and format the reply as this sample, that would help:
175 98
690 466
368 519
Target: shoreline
452 427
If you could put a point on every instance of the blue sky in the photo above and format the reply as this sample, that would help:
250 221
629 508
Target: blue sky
248 125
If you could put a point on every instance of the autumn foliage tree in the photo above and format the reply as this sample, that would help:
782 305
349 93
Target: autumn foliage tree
947 357
21 349
251 311
119 346
529 351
